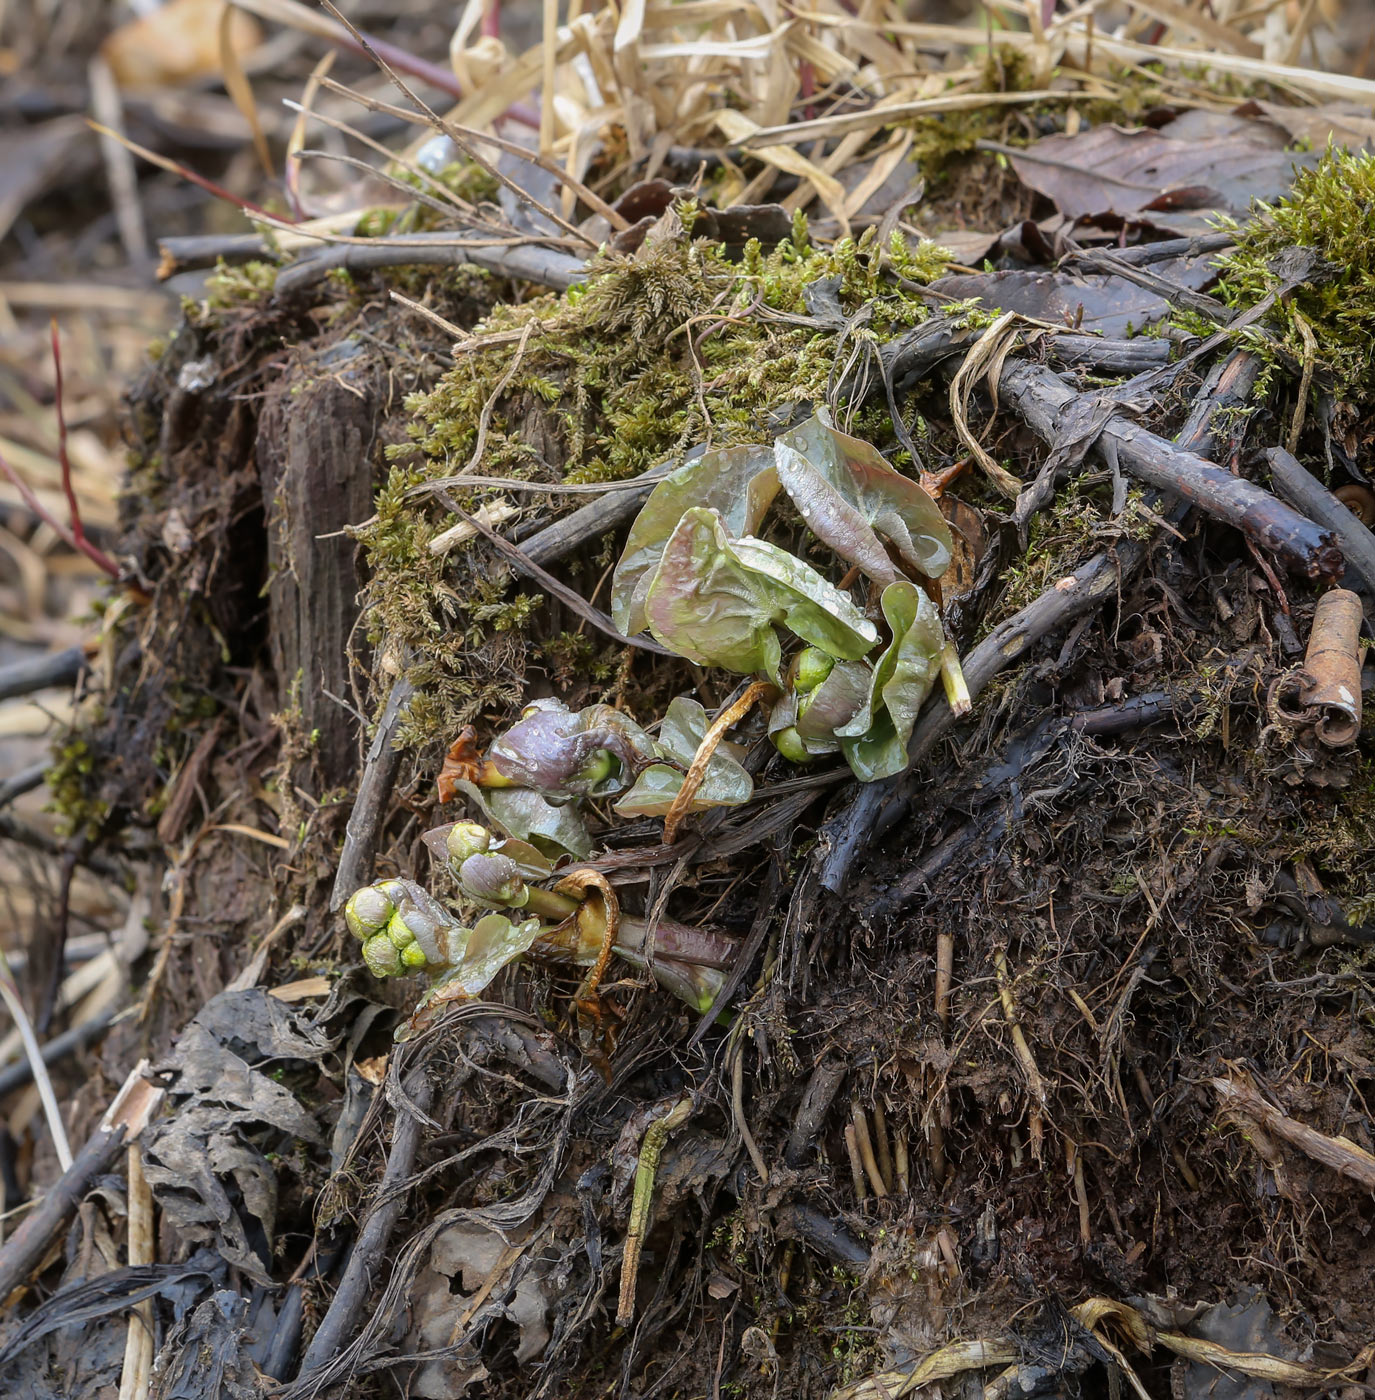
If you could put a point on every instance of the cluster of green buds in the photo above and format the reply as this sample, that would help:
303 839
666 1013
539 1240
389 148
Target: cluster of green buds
401 928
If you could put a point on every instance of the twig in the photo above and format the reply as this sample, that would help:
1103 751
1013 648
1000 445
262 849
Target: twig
571 599
134 1106
523 262
138 1344
369 807
9 993
1023 1052
817 1098
39 672
360 1274
15 1075
1316 501
856 1165
1340 1154
1041 399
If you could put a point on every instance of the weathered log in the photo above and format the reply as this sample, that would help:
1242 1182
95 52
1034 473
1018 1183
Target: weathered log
316 437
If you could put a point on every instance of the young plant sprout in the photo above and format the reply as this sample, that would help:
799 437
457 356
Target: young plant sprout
402 929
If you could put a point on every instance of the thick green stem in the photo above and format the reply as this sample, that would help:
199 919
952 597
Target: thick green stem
548 904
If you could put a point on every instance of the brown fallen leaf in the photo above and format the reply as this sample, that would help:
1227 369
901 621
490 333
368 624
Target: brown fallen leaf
1199 164
1093 301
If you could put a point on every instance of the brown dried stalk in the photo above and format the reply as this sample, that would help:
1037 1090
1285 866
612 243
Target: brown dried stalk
1326 691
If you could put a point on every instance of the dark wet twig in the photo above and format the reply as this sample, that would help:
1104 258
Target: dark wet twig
360 1274
817 1098
1041 399
374 791
40 672
20 1072
829 1238
25 780
847 833
1315 500
133 1107
571 599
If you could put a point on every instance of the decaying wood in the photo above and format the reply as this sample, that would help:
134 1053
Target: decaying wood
1040 398
1326 691
1316 501
1338 1153
316 438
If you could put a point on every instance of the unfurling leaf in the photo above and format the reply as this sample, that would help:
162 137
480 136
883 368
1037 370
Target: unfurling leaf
565 755
874 742
715 601
832 705
526 816
853 501
492 943
737 482
726 783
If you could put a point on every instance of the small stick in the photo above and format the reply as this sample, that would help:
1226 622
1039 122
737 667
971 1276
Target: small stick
138 1344
133 1108
1316 501
881 1142
945 976
900 1164
1023 1052
856 1166
9 992
865 1145
359 1276
651 1149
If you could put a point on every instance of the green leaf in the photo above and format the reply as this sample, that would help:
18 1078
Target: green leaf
725 784
526 816
738 482
875 740
853 500
834 703
567 755
715 601
816 610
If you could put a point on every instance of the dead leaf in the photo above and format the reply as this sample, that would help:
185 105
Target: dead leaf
1198 164
1101 302
207 1159
461 764
176 44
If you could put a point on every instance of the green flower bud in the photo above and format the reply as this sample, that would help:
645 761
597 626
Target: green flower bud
602 765
368 910
494 880
789 743
398 932
466 839
414 956
811 668
381 957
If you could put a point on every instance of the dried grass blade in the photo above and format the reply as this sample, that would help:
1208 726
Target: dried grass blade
711 740
989 347
240 90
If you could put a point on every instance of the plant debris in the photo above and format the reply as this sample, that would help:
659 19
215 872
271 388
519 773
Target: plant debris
705 796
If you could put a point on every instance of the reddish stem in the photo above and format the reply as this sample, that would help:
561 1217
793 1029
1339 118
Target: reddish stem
76 535
491 20
806 77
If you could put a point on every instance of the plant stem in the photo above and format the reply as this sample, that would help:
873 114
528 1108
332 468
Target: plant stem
952 677
549 904
656 1135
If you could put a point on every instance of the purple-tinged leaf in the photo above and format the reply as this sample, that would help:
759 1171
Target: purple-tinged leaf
739 483
853 501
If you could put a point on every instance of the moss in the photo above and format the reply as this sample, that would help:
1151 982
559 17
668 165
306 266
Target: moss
72 783
1328 211
242 284
657 351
